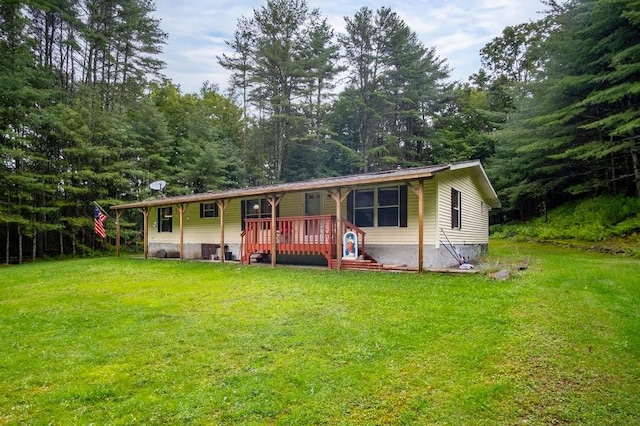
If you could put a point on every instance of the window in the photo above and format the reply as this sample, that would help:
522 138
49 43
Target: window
165 219
456 209
208 210
378 207
363 208
388 206
256 208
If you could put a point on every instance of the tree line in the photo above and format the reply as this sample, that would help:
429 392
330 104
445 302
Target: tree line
86 114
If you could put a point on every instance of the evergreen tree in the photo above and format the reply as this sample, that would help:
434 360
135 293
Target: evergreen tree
282 56
28 171
576 134
204 138
309 153
395 90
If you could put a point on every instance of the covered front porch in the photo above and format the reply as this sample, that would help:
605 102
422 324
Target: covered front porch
173 224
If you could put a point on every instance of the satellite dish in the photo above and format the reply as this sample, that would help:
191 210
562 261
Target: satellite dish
158 186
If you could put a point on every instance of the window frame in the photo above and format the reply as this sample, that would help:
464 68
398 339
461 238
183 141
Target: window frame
247 210
353 208
208 212
165 219
359 210
456 209
265 209
388 206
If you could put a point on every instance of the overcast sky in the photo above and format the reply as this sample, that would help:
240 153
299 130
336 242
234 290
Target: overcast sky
458 29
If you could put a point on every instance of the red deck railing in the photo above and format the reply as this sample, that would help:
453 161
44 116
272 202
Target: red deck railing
308 235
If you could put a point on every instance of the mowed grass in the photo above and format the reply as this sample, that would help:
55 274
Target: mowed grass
128 341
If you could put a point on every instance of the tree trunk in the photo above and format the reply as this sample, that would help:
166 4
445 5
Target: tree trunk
7 245
34 245
19 245
636 169
364 143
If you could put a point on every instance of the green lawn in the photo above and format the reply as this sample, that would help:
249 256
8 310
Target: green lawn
125 341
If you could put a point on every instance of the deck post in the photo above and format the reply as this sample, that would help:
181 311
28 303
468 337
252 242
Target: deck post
273 200
339 197
339 229
118 215
145 231
222 206
181 208
419 190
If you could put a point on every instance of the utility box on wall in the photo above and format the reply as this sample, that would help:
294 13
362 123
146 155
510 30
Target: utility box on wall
209 251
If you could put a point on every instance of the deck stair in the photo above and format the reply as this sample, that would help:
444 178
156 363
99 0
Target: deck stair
367 265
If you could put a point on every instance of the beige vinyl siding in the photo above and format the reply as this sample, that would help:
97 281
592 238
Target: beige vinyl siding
474 211
329 204
197 229
437 214
232 224
164 237
292 205
207 230
396 235
430 212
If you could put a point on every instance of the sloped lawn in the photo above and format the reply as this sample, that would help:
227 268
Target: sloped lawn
126 341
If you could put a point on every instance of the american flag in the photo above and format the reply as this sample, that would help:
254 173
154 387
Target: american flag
98 222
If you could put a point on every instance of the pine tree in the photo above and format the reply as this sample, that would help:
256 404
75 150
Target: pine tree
395 89
281 54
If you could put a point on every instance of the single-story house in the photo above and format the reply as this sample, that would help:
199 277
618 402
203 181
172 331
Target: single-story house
411 217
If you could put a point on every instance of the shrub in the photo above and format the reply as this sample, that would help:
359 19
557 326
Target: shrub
593 220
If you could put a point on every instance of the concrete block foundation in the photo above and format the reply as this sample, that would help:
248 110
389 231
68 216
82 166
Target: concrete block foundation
434 258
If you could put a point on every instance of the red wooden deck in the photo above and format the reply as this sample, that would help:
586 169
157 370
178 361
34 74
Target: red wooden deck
307 235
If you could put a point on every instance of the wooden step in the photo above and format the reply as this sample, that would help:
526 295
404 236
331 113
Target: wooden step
368 265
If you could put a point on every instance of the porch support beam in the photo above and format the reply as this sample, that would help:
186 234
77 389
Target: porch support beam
338 196
222 206
118 216
436 208
145 231
274 200
419 191
181 208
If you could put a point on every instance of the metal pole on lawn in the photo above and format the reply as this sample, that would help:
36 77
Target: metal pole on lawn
118 216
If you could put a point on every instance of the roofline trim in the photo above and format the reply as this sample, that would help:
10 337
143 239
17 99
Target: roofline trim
401 175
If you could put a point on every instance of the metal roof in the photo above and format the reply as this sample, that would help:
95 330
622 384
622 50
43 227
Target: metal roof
388 176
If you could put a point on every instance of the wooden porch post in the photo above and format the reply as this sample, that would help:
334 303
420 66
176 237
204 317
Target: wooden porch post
419 190
181 208
145 231
436 208
338 197
273 200
118 215
222 206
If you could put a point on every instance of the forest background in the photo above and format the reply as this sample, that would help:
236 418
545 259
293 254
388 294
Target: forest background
86 114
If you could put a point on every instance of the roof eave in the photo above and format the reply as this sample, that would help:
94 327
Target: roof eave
283 188
491 196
